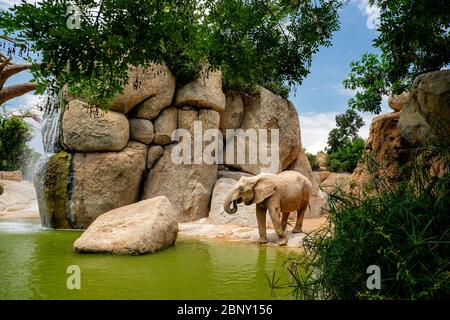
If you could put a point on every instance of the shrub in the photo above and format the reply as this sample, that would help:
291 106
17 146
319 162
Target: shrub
313 161
14 135
346 157
403 229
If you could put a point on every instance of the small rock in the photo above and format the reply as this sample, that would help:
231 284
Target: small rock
141 130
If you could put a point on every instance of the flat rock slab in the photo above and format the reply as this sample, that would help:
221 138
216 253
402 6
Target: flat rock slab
143 227
18 200
203 228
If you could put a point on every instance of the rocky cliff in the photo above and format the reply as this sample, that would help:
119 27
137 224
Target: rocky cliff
421 117
116 158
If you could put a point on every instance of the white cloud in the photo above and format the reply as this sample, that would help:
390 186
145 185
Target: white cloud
31 102
371 12
344 92
315 127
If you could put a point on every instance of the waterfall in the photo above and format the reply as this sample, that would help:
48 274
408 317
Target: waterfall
51 126
51 132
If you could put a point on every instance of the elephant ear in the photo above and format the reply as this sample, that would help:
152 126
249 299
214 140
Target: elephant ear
263 189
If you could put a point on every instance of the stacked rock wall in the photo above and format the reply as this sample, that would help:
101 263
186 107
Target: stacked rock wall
116 158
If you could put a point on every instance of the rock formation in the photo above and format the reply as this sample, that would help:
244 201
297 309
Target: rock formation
426 116
119 157
52 190
398 102
269 111
150 89
423 118
143 227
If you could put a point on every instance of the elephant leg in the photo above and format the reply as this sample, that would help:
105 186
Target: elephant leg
261 218
284 220
275 216
299 223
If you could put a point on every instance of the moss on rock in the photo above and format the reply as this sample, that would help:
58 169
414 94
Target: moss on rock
51 186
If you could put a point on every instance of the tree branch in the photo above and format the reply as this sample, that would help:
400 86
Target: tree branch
10 70
16 90
276 18
4 37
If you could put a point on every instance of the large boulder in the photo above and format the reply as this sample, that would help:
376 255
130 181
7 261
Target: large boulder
388 149
18 200
231 117
426 116
165 124
105 181
152 88
245 215
143 227
141 130
336 181
270 111
204 92
51 183
88 130
187 186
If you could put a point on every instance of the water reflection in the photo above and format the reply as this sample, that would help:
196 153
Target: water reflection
33 265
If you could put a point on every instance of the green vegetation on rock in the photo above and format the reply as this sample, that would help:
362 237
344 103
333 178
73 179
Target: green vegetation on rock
269 42
53 188
313 161
413 37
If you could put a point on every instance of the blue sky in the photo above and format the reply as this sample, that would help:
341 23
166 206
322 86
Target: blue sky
321 96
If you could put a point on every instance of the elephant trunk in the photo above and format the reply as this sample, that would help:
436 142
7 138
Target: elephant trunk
230 204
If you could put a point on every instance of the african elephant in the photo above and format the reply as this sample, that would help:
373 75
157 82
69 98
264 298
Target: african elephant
280 193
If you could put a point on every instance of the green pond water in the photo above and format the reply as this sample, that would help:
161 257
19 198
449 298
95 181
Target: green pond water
34 261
